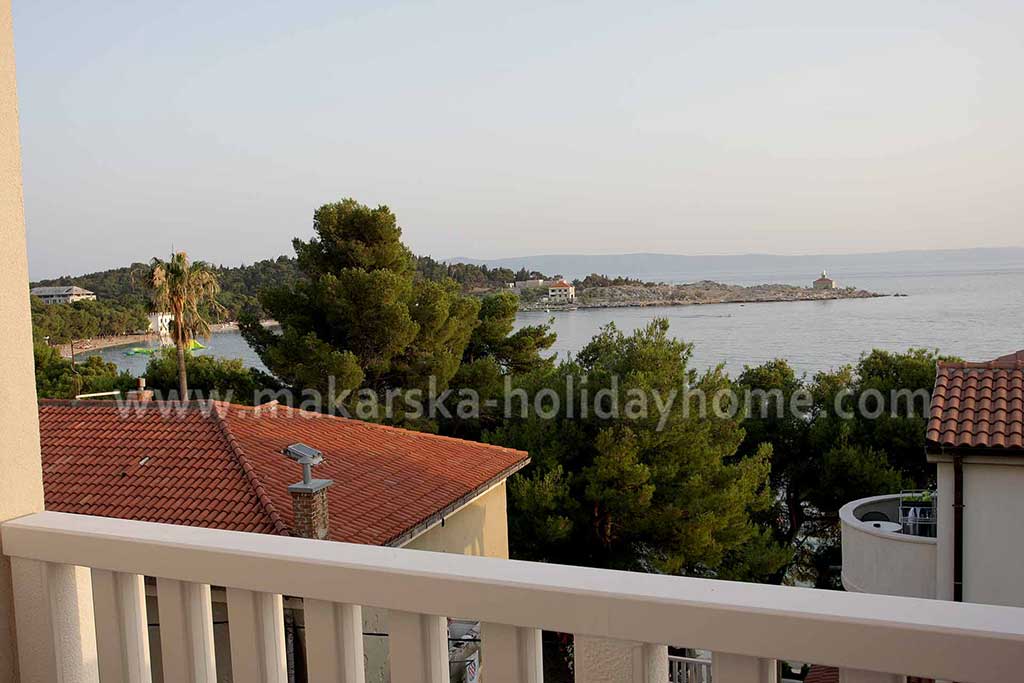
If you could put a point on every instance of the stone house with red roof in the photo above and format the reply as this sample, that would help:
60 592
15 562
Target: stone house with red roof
561 292
219 465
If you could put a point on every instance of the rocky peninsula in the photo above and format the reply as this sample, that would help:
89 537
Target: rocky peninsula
696 293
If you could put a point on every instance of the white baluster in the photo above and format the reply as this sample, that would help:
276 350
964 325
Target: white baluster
53 608
186 631
511 654
650 663
418 645
729 668
256 630
122 631
334 642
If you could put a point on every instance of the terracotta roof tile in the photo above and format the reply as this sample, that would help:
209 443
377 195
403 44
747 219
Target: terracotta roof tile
978 405
221 465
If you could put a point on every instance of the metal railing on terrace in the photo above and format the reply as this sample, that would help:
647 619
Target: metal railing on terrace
746 626
688 669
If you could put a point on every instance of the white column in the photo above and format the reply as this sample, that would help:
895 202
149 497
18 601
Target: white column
418 646
650 663
729 668
21 476
511 654
55 623
186 631
256 630
603 660
122 632
334 642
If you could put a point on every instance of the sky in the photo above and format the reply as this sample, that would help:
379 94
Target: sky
517 128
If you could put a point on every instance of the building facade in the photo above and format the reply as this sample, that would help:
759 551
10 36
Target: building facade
160 323
824 282
535 283
963 541
62 295
562 292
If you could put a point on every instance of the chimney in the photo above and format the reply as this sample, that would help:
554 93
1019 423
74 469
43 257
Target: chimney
140 394
309 496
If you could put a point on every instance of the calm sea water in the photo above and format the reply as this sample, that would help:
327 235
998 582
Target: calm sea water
975 314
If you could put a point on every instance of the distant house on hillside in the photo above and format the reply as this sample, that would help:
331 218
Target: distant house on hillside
62 295
561 291
824 282
535 283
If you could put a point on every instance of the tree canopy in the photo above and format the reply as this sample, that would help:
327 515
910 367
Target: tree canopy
224 379
363 315
62 323
56 377
187 290
856 431
617 486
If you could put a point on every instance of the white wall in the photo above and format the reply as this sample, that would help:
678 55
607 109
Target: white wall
993 531
887 563
994 534
21 485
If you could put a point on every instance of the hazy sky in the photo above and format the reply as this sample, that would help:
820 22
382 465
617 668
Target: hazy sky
501 129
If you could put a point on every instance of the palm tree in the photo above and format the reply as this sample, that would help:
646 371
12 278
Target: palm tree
183 289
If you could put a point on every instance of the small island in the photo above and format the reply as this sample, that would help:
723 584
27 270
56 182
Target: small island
596 291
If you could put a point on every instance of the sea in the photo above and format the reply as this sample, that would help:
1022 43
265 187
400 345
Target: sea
974 311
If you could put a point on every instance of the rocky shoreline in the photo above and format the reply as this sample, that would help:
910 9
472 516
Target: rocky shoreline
698 293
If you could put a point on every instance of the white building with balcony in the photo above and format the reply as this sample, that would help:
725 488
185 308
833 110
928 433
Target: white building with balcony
964 541
561 292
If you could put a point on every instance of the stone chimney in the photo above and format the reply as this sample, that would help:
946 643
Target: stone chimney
140 394
309 496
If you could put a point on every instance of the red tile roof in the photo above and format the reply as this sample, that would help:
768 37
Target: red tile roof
219 465
1011 358
979 405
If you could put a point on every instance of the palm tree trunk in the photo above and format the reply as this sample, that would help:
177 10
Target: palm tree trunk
182 377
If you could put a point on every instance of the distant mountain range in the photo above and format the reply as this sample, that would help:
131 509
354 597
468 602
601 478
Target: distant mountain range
761 267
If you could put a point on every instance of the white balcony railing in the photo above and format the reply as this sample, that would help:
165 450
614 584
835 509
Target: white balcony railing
879 557
745 625
689 670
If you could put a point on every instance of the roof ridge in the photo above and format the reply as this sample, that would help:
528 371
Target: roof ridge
374 425
983 365
249 472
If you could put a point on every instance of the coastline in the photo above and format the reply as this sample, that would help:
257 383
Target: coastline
696 294
97 343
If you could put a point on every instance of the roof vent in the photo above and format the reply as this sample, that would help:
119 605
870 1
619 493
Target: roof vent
307 456
309 496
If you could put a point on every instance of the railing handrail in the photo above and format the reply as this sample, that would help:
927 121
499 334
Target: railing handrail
922 637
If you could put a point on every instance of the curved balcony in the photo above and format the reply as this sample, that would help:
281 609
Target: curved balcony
879 557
